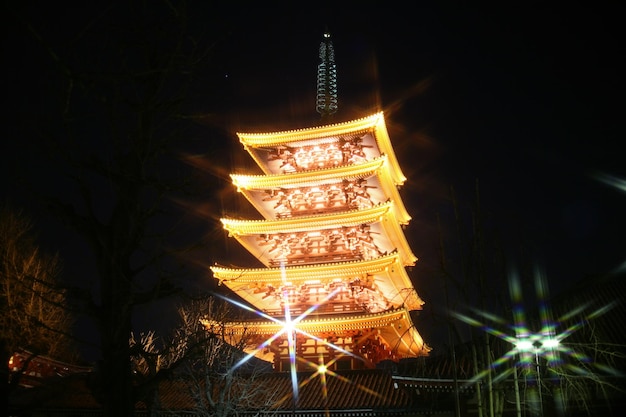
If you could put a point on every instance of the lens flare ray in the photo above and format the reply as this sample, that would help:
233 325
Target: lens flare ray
549 342
289 329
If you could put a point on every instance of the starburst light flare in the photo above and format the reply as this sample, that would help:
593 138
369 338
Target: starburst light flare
527 346
289 328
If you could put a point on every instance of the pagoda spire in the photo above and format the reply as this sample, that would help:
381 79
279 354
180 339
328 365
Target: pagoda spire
326 103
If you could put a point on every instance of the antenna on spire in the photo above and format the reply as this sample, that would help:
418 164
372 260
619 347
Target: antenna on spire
326 102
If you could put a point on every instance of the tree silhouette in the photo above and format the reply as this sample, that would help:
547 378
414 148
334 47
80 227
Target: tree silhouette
217 378
125 78
204 360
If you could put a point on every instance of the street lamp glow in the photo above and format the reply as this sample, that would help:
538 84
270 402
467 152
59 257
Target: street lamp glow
550 343
536 343
524 345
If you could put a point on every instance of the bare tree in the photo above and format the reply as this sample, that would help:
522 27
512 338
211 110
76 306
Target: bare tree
205 360
557 356
32 302
472 270
125 75
586 375
222 380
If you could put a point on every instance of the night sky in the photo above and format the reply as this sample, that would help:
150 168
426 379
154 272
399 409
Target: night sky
526 101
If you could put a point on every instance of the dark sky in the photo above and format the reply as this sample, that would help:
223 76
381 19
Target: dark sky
525 100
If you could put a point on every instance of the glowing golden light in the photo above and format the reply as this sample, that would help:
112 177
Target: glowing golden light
331 243
371 129
290 328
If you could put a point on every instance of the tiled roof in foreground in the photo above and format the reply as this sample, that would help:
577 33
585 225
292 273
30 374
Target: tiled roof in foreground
347 390
371 391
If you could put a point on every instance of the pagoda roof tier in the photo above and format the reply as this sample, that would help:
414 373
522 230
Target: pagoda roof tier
322 191
367 286
351 142
394 327
351 235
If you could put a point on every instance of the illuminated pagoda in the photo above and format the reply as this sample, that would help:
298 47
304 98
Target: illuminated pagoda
332 286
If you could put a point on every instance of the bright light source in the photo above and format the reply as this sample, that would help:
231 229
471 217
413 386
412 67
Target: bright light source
550 343
289 327
524 345
321 369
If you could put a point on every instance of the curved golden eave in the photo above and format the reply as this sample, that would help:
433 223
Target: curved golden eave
311 324
384 277
368 123
305 272
240 227
320 176
385 229
374 124
256 187
394 326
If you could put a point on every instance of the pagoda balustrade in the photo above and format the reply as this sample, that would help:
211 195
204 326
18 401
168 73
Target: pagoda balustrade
359 346
326 198
355 295
319 156
330 245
